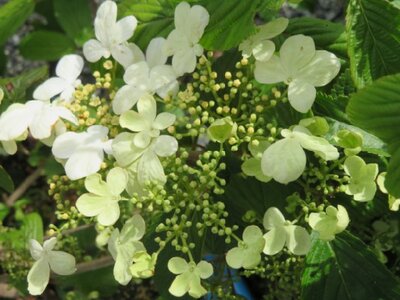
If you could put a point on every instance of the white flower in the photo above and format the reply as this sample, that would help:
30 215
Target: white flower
248 253
83 152
146 78
123 246
111 36
301 67
143 264
328 223
103 197
362 178
183 41
285 160
259 45
39 116
394 203
47 259
284 233
189 277
68 70
144 147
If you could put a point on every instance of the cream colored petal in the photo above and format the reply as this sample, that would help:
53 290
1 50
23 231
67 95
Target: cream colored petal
270 71
38 277
274 240
296 52
62 263
273 218
301 95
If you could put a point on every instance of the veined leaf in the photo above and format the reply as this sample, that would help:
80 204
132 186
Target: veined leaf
373 32
6 182
230 23
46 45
32 227
376 108
12 15
346 269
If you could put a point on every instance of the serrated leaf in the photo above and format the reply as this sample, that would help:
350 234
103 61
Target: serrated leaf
46 45
373 28
75 18
155 18
12 15
231 22
376 109
6 182
327 35
346 269
15 87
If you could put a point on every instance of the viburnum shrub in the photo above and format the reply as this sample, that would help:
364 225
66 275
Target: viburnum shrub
184 150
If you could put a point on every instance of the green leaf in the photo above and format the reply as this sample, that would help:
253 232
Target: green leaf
233 20
327 35
346 269
6 182
32 227
12 15
376 109
75 18
155 18
373 28
46 45
15 87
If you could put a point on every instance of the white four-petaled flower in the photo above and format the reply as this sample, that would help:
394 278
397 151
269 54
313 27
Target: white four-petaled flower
47 259
301 67
68 70
183 41
83 152
112 36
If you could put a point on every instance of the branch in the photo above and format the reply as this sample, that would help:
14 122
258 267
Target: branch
99 263
23 187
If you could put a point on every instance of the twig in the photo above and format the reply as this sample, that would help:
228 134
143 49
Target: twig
23 187
94 264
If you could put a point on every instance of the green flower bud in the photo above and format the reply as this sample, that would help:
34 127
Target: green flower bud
222 129
317 125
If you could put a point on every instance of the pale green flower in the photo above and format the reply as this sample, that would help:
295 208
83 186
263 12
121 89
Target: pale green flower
260 45
362 178
285 160
123 246
316 125
351 141
301 67
394 203
252 166
189 277
222 129
143 264
47 259
328 223
248 253
102 199
284 233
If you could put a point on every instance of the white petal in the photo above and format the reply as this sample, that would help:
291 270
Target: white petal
117 178
270 71
62 263
50 244
154 54
284 160
65 144
264 50
235 257
43 119
164 120
150 169
38 277
318 145
9 128
125 152
321 69
296 52
84 162
184 61
91 205
181 284
177 265
68 93
273 218
124 29
125 98
147 108
133 229
93 50
163 80
138 55
50 88
273 28
10 147
133 121
205 269
274 240
298 240
36 249
165 145
110 215
70 67
123 54
301 95
181 15
138 75
198 19
66 114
